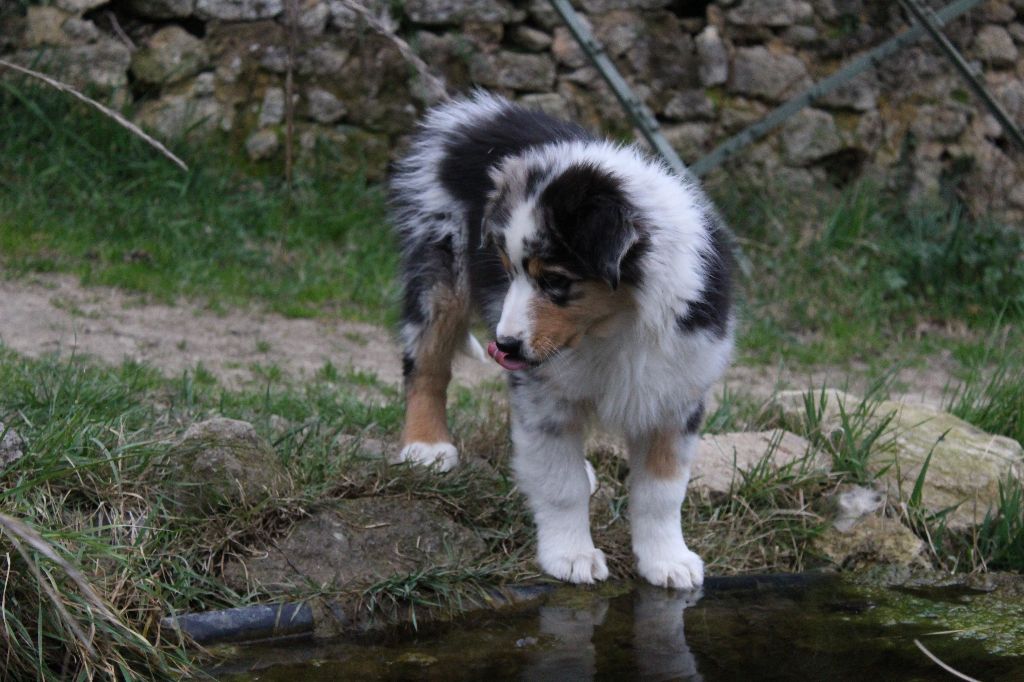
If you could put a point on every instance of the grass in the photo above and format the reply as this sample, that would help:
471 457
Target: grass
79 195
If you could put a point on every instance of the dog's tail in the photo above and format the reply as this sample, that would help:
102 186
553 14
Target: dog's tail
473 349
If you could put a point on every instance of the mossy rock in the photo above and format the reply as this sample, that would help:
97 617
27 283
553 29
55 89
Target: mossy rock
224 463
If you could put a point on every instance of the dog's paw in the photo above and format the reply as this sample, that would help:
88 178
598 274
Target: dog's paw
575 567
682 569
444 456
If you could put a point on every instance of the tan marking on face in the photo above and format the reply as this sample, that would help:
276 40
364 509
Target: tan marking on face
662 461
556 327
535 267
505 262
426 388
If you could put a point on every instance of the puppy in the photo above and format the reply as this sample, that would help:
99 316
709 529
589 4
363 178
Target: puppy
605 279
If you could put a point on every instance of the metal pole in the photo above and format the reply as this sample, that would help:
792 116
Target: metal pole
926 18
777 116
642 117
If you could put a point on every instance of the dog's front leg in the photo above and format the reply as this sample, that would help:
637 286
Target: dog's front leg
659 473
552 472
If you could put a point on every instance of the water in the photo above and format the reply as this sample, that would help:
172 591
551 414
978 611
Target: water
737 630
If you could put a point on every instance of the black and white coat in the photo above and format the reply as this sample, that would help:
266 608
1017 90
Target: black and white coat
605 279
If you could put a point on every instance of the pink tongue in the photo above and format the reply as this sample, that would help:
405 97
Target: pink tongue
501 357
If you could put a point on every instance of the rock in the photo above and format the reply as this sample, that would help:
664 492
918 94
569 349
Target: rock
45 26
722 457
860 93
800 35
619 31
667 59
996 12
690 140
262 145
440 12
505 69
80 6
939 122
690 105
357 542
760 73
324 106
102 65
531 39
313 16
544 14
12 446
272 108
994 45
383 101
1016 31
162 9
172 116
238 10
774 13
874 540
81 31
222 462
170 55
966 463
550 103
810 135
712 58
739 112
603 6
344 18
566 50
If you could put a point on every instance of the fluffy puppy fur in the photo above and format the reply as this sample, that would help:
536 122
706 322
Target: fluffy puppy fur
605 280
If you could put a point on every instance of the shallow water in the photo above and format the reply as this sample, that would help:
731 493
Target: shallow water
736 630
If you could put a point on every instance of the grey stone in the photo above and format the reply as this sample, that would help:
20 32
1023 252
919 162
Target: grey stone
544 14
996 12
204 85
313 16
740 112
513 70
852 503
566 50
80 6
238 10
994 45
760 73
531 39
45 26
439 12
690 140
712 57
690 105
345 18
102 65
81 30
1016 31
872 541
810 135
170 55
356 542
162 9
800 35
722 457
272 108
224 462
619 31
12 446
939 122
966 464
324 106
174 115
383 102
603 6
262 144
550 103
773 13
860 93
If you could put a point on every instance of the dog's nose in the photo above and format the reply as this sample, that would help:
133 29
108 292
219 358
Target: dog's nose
509 345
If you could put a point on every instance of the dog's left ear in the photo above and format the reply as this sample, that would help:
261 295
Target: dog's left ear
586 210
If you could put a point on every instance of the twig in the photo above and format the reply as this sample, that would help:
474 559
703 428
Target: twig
948 669
384 25
121 120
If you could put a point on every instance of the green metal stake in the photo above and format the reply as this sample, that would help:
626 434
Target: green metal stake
926 18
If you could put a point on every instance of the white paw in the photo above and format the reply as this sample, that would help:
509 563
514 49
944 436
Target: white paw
442 455
682 569
575 567
591 476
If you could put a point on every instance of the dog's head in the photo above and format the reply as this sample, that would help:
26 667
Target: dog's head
569 242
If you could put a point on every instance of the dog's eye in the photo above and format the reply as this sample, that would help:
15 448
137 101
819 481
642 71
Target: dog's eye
552 280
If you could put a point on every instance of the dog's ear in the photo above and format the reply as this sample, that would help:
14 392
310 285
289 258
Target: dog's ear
586 212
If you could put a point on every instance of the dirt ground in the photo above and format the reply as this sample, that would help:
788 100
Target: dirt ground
54 313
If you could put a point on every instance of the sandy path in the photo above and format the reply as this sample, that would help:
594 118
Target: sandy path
47 314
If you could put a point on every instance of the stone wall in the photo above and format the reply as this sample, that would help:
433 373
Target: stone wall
707 69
